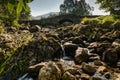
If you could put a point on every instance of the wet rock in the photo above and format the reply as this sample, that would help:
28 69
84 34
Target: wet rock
70 49
85 76
82 55
110 56
50 71
88 69
68 76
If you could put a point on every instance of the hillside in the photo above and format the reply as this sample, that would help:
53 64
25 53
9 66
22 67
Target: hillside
45 15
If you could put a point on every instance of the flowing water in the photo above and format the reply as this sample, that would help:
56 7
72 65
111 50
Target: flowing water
25 77
63 53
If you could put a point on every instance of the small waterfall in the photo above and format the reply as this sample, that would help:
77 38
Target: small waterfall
25 77
63 52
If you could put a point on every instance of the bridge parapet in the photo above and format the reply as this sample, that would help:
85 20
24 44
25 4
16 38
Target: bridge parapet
57 20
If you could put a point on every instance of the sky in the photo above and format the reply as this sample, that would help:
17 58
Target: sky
40 7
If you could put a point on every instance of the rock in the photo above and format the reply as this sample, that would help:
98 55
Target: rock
110 56
116 76
81 55
88 69
68 76
35 28
73 71
98 63
94 57
85 76
102 47
11 29
102 69
92 47
116 43
110 36
37 67
70 49
107 75
97 78
78 40
50 71
118 64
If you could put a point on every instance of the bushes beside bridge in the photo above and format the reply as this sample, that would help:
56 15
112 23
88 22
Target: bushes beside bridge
104 21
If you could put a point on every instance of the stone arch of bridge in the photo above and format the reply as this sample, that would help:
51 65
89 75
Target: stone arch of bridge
65 20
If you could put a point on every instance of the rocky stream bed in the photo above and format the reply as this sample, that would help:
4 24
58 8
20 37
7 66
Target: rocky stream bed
76 52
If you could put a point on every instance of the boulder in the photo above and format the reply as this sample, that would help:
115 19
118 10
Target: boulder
50 71
70 49
68 76
110 56
81 55
88 69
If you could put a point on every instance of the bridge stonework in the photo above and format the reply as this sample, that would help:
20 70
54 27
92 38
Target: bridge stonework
57 20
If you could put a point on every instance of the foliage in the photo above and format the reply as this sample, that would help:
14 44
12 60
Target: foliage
110 5
75 7
107 21
90 21
10 10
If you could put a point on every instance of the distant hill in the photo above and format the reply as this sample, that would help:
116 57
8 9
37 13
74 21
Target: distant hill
45 15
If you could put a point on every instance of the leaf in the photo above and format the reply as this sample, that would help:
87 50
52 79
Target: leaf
19 7
26 8
28 1
10 7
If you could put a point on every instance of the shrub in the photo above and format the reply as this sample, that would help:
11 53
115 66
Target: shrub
90 21
104 21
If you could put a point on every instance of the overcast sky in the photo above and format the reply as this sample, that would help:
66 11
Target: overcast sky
40 7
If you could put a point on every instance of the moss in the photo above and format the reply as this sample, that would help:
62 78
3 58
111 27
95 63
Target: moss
90 21
11 42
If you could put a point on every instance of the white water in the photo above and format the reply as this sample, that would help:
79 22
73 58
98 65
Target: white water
25 77
64 54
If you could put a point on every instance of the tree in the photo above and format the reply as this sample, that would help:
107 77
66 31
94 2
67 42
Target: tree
75 7
10 10
112 6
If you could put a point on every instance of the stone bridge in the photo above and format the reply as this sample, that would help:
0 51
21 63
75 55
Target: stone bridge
57 20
